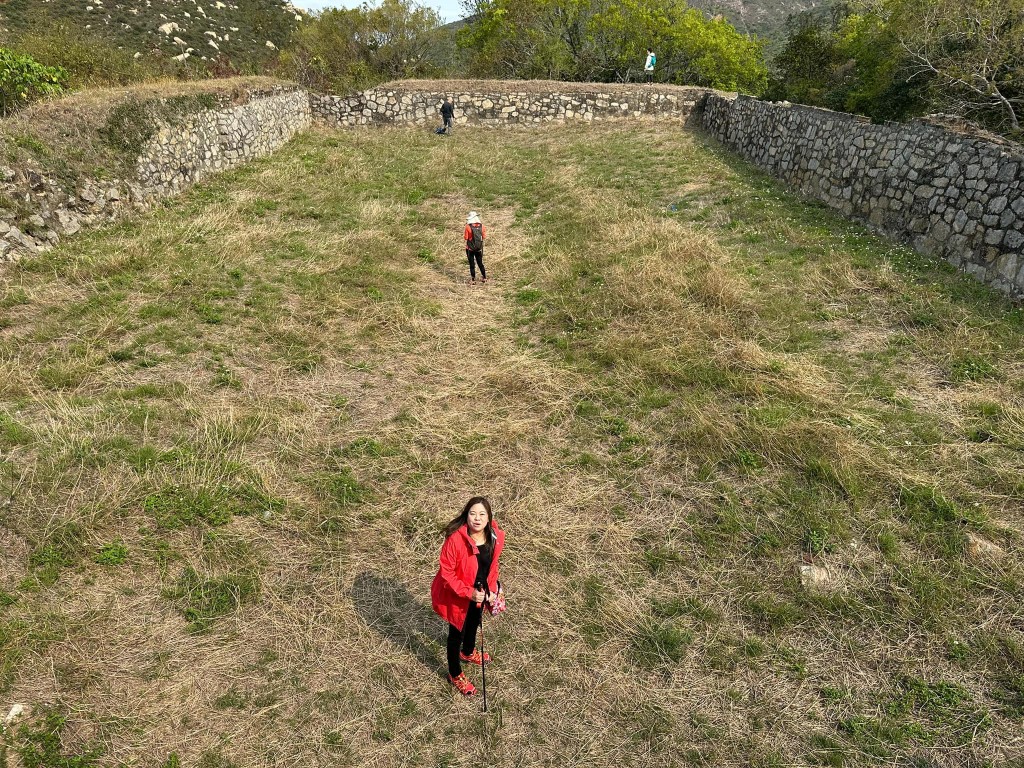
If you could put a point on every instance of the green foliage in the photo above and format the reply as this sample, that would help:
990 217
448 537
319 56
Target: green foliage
816 541
59 33
23 80
212 758
931 509
849 62
971 368
917 712
89 60
341 488
589 40
61 548
231 699
13 432
972 52
129 126
341 49
803 71
894 59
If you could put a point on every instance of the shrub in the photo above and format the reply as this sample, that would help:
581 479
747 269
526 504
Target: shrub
23 80
89 60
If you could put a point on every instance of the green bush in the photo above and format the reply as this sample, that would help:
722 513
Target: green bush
89 60
23 80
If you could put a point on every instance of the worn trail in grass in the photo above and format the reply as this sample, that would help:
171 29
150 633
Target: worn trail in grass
232 429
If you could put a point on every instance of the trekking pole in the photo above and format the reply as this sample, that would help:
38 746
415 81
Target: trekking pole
483 658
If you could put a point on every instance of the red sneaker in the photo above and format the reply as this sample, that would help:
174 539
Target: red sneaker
462 684
474 657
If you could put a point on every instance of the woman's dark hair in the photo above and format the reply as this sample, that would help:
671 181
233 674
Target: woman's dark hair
463 518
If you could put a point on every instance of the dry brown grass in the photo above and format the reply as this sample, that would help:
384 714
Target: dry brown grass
63 137
604 416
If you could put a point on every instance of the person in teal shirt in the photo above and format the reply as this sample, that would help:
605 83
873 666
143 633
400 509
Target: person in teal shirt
649 65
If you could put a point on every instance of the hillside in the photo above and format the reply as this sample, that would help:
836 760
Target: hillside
765 18
760 470
238 30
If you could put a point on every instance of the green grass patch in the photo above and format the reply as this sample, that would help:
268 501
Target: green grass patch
115 553
203 599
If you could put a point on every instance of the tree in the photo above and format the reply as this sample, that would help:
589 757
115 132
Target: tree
606 40
804 71
973 53
339 50
875 76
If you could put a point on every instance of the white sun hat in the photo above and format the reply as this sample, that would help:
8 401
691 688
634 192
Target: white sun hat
473 218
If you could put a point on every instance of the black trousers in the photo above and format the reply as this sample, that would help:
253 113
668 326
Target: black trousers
464 641
479 261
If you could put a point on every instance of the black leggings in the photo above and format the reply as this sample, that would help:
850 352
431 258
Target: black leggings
464 641
479 260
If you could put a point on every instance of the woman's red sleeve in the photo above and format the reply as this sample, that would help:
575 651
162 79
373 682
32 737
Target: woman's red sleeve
449 556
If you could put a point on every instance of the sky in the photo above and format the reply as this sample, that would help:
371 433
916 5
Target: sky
450 10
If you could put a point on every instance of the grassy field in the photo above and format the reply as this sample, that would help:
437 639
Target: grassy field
231 431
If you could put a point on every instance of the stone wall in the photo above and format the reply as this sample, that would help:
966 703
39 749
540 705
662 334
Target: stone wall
179 154
504 103
213 141
952 195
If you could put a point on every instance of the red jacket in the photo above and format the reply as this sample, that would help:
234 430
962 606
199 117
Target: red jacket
453 585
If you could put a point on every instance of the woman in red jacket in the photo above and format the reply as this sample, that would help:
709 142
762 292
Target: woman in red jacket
467 578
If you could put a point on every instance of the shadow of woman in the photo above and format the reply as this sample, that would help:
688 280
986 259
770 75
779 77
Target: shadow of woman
388 608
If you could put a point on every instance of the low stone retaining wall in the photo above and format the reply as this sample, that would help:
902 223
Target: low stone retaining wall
176 156
214 141
952 195
504 103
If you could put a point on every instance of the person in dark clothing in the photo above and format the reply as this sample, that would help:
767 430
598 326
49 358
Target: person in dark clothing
466 581
447 115
474 235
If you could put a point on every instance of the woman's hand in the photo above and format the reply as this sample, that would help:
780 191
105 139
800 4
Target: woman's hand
478 596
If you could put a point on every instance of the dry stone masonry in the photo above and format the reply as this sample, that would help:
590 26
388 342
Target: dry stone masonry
178 155
950 194
504 103
216 140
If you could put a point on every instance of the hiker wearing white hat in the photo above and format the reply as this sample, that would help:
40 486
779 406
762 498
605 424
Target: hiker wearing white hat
474 236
